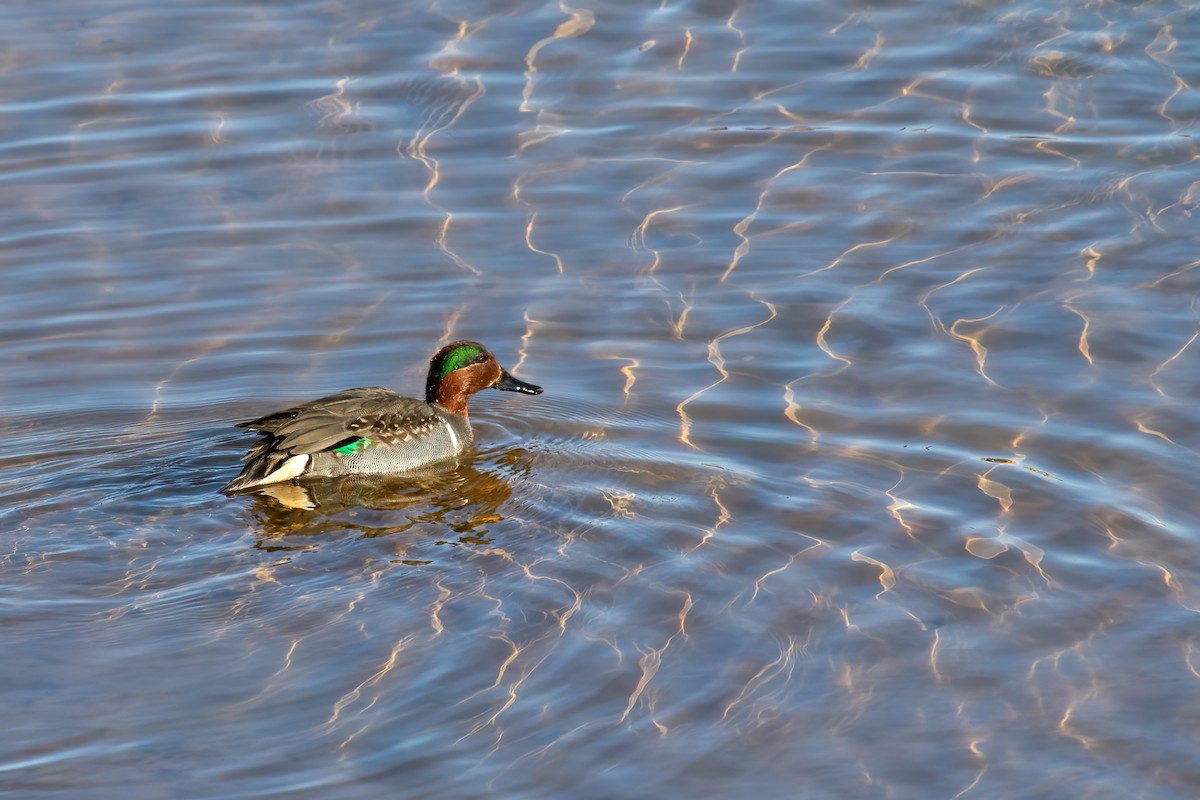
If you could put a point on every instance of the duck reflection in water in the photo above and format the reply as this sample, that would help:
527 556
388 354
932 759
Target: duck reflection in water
463 500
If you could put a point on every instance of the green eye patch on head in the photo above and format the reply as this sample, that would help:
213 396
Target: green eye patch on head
459 357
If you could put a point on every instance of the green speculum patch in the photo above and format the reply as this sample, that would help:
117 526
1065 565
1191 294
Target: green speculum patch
352 447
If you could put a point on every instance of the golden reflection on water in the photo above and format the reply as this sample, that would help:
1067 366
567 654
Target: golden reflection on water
464 499
868 406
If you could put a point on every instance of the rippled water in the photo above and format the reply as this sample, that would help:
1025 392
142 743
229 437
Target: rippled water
865 464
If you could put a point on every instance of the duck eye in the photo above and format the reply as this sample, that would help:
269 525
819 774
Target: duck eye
480 359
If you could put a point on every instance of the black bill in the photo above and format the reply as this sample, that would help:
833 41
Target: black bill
508 383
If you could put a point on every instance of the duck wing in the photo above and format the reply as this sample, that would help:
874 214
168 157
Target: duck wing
289 436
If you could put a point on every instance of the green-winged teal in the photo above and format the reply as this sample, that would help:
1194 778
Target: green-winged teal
374 430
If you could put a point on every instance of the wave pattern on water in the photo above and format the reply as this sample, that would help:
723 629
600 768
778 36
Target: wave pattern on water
864 464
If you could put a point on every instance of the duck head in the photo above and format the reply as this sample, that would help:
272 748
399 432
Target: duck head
462 368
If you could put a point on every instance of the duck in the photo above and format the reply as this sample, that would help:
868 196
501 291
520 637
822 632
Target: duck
373 430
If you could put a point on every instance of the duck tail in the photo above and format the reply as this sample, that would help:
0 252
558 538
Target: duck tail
265 465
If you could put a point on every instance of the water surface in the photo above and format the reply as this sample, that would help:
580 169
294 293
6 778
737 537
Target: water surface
865 466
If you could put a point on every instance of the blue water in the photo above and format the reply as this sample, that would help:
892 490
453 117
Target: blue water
864 466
